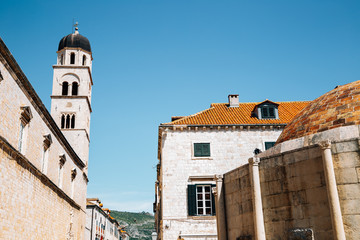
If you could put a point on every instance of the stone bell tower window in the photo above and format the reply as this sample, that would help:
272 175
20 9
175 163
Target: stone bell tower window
67 121
73 121
63 121
84 60
65 88
62 59
75 87
72 58
67 124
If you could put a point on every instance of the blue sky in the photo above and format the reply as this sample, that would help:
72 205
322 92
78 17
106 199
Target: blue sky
157 59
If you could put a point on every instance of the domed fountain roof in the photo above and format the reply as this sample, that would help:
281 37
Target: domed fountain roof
337 108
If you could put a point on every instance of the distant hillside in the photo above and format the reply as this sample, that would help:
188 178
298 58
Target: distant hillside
138 225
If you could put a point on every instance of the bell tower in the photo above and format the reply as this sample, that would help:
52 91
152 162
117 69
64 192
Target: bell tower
71 93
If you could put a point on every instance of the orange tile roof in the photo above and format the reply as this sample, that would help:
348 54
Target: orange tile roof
221 114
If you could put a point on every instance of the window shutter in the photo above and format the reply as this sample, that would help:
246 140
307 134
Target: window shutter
271 112
197 150
201 149
269 145
206 149
263 112
213 200
192 200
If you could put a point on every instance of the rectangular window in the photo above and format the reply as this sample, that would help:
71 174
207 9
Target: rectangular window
269 145
61 174
45 160
25 118
268 112
201 200
201 149
73 176
62 161
21 137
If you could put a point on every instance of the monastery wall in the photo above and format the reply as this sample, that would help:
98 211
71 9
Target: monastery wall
31 207
294 194
34 192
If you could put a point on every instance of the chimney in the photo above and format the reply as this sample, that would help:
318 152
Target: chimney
233 100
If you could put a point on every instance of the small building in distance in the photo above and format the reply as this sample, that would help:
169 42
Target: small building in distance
43 156
307 185
193 149
99 223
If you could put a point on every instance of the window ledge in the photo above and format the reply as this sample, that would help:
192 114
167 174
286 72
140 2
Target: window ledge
202 158
205 217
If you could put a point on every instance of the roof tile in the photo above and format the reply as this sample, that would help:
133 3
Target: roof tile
221 114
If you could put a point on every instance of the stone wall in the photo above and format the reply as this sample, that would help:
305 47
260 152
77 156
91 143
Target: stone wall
294 194
37 200
31 207
239 208
229 149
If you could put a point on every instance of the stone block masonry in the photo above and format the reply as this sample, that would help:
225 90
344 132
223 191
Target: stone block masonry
31 206
43 180
294 194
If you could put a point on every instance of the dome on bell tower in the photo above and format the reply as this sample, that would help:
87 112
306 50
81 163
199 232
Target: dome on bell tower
75 40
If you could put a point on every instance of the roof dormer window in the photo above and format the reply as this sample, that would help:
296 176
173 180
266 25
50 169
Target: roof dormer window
267 110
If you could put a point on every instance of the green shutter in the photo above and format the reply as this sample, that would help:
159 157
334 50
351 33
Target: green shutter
213 201
192 200
197 150
271 112
206 149
201 149
264 112
269 145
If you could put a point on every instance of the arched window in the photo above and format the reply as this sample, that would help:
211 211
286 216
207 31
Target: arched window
61 59
62 121
75 87
72 58
84 60
65 87
67 121
73 121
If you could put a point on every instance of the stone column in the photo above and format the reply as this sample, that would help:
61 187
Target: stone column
331 187
256 199
220 208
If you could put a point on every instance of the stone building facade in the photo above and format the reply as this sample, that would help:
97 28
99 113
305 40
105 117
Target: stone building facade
99 223
195 148
307 185
44 178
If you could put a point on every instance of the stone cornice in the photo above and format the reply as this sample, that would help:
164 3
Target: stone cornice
223 127
14 69
76 48
26 164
